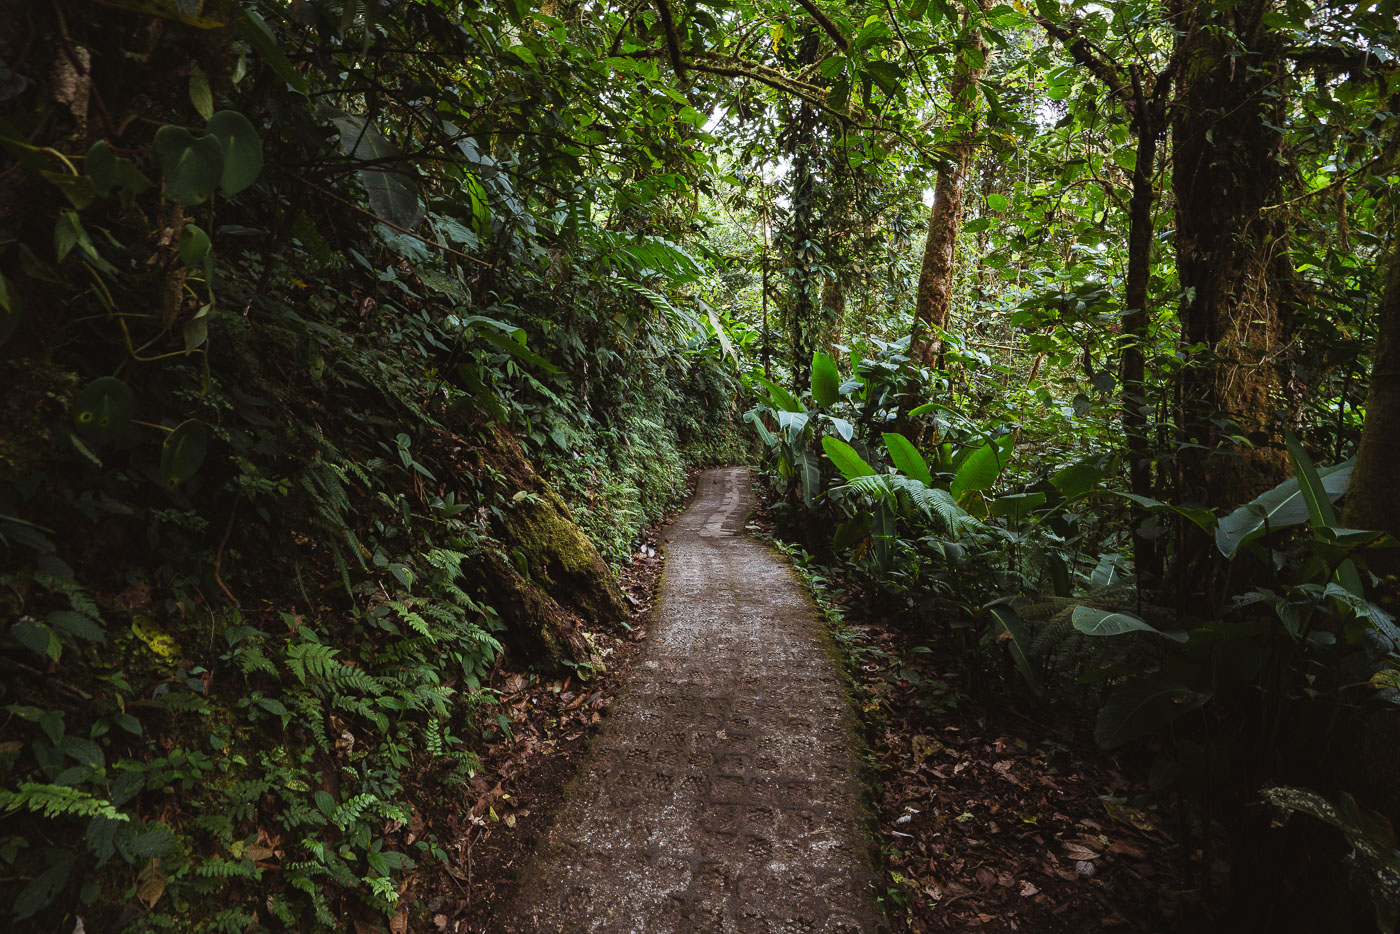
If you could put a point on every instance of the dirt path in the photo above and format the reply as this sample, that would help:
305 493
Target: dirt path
722 795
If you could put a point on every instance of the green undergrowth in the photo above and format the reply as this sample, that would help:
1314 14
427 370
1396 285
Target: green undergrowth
252 499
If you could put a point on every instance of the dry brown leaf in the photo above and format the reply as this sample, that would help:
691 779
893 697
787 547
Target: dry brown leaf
150 884
1077 851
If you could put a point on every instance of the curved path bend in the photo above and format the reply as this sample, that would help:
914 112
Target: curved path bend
722 794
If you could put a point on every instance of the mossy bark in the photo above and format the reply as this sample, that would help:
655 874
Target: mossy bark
549 578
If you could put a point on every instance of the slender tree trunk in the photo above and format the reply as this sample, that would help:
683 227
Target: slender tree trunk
1134 399
833 313
935 295
802 304
1371 501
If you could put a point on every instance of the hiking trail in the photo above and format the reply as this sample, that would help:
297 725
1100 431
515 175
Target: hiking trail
722 794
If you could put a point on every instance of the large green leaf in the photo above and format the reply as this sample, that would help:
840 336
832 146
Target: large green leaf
811 472
1016 506
907 458
243 150
1008 628
1320 512
1201 517
981 467
102 411
183 452
756 419
826 381
782 399
721 335
1142 706
391 189
846 459
1282 507
192 165
257 34
1095 622
1077 479
9 309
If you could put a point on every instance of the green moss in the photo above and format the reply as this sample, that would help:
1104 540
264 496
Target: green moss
556 552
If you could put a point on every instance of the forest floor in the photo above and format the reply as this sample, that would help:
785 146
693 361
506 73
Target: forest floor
996 818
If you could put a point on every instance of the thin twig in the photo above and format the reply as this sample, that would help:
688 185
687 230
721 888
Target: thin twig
219 555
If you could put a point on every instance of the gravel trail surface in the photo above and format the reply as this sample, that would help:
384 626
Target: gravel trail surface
722 795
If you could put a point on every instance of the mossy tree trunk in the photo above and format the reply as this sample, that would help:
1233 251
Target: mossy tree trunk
934 299
1232 269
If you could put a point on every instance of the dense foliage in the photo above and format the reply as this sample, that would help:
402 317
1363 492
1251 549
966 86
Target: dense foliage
298 298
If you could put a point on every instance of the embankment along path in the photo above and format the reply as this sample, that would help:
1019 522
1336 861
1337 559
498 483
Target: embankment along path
722 793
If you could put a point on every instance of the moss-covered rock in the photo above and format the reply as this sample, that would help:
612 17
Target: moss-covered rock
555 578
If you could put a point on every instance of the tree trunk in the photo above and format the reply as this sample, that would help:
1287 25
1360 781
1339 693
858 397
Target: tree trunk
935 294
803 281
1134 399
1230 253
1371 501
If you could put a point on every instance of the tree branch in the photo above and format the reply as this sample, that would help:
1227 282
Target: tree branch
825 22
673 42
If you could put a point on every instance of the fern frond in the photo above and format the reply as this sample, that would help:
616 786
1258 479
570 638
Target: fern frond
58 801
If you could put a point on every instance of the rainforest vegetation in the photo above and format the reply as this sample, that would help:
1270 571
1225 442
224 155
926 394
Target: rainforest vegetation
348 347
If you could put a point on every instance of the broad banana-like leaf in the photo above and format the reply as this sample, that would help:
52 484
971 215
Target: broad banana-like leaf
1282 507
1008 628
1016 506
907 458
1142 706
392 192
846 459
981 467
782 399
811 477
1077 479
1095 622
826 381
1320 512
